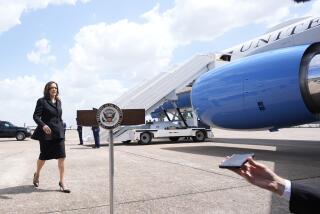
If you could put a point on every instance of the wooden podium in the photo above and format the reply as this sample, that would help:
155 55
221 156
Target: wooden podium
130 117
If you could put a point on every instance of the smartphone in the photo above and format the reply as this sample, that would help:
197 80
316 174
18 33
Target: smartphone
236 161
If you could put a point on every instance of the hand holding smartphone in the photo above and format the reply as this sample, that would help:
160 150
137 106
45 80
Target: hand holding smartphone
235 161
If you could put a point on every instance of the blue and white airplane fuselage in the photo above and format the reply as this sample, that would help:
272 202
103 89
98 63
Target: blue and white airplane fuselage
271 82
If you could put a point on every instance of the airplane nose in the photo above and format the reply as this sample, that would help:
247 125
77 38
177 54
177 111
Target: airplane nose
313 78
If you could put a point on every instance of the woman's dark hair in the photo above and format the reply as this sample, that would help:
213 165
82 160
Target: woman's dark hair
46 90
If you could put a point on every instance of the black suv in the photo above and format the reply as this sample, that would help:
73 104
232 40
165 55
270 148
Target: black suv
7 130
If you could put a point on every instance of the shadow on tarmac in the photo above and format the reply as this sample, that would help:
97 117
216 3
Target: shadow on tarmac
24 189
8 141
282 150
89 146
266 142
164 142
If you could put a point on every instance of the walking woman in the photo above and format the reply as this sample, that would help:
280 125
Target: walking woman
50 132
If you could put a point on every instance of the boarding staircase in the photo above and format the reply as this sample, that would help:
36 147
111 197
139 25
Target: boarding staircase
154 92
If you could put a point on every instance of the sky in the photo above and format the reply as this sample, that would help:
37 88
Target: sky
96 50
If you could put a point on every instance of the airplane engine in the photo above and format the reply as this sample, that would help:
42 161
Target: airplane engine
270 90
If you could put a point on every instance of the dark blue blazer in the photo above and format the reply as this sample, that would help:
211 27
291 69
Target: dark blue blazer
304 199
48 113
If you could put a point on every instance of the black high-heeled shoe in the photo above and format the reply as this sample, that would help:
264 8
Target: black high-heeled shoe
62 189
35 180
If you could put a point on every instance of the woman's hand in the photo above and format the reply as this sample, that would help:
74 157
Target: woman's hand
46 129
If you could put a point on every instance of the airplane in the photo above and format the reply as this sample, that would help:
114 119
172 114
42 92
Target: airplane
270 82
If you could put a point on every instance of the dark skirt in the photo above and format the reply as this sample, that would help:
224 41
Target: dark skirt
52 149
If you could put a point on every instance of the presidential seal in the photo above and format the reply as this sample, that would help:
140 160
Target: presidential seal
109 116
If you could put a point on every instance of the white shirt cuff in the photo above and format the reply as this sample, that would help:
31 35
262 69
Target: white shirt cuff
287 190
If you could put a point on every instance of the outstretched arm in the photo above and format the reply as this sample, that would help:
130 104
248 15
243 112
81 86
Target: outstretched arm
302 199
261 176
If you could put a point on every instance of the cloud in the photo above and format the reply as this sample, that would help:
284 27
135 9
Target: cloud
12 10
315 9
41 53
18 98
206 20
108 59
123 49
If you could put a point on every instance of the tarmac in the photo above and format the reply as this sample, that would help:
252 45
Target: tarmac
162 177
